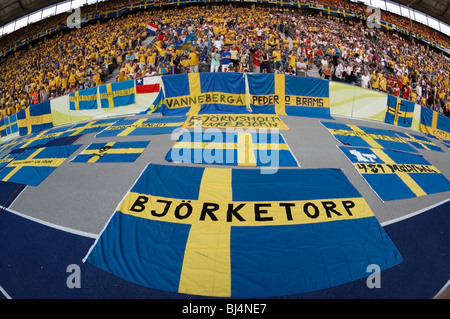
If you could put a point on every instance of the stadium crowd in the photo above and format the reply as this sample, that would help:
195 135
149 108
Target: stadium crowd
227 38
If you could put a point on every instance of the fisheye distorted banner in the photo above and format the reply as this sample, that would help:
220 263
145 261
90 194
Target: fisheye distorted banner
235 232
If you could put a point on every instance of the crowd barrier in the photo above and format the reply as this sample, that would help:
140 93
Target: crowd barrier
226 93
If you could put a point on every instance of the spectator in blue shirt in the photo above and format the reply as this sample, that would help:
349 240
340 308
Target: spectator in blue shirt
226 59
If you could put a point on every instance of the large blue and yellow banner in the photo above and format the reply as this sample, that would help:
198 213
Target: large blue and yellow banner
84 99
289 95
204 93
111 152
144 126
354 135
93 126
237 121
399 112
238 233
396 175
419 141
435 124
41 138
249 148
117 94
32 166
35 118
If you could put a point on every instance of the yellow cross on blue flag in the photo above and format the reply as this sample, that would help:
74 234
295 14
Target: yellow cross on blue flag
419 141
35 118
84 99
111 152
90 127
396 175
354 135
251 148
226 232
204 93
399 112
6 159
2 128
32 166
117 94
144 126
289 95
11 124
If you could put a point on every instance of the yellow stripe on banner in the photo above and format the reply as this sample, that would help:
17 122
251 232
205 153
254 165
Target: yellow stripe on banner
114 151
77 100
280 91
36 120
26 122
423 143
435 120
110 95
7 177
132 127
195 90
230 146
207 263
216 210
415 188
98 154
78 130
246 150
369 140
30 140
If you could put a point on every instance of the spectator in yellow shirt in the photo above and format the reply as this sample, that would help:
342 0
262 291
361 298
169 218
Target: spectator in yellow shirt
193 62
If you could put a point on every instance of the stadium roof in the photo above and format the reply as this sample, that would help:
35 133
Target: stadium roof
439 9
11 10
14 9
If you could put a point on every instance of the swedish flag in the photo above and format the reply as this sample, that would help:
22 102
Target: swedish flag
331 11
288 95
6 159
40 138
143 126
434 123
354 135
226 232
2 128
32 166
384 25
11 124
399 112
232 148
90 127
83 100
419 141
111 152
204 93
36 118
396 175
117 94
